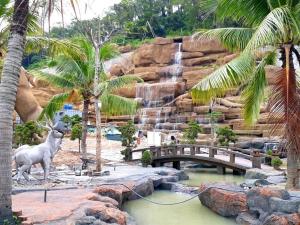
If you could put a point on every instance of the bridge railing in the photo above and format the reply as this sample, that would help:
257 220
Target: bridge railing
194 150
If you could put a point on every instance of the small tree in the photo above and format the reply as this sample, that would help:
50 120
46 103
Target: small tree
76 133
147 158
226 135
27 133
127 134
191 133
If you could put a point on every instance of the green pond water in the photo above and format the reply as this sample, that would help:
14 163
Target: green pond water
190 213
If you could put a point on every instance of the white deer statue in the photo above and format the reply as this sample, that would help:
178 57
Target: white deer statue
26 156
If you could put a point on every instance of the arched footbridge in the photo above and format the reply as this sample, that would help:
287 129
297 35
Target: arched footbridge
231 158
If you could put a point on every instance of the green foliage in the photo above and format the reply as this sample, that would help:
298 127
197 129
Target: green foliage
25 133
16 221
126 152
225 136
76 132
75 74
214 116
131 18
191 133
276 162
127 133
269 152
147 158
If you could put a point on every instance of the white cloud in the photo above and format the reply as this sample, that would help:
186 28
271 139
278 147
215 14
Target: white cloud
87 9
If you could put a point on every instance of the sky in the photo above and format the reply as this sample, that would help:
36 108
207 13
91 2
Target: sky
95 8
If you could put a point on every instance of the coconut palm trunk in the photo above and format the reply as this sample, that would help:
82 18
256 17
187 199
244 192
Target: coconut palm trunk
8 91
85 117
291 100
97 108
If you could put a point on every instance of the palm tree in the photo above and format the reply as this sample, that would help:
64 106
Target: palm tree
8 91
271 29
76 75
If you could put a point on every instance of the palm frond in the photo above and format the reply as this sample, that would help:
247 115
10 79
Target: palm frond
254 93
250 12
55 104
108 51
230 75
272 30
53 79
53 46
233 38
123 81
117 105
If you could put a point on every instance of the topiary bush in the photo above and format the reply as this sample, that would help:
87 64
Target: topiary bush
127 133
226 135
27 133
76 133
276 162
191 133
147 158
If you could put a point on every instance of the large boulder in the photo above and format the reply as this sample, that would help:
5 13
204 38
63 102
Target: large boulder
205 60
27 106
193 77
191 44
258 200
161 51
282 219
107 214
117 192
226 200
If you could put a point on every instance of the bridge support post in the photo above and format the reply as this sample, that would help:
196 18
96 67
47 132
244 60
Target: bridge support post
198 150
192 149
181 150
256 159
211 153
221 170
130 154
176 165
232 158
236 172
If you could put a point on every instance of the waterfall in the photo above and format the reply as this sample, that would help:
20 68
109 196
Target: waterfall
152 99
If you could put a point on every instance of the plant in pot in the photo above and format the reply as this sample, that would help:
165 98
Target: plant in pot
127 133
268 158
147 158
276 162
225 136
191 133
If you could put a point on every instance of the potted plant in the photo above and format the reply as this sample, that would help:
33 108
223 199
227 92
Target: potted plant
147 158
268 158
225 136
276 162
191 133
127 134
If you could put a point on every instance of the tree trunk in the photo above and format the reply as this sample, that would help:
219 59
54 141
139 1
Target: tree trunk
292 119
85 117
8 90
97 109
79 145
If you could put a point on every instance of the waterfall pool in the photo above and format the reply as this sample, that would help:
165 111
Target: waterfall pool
190 213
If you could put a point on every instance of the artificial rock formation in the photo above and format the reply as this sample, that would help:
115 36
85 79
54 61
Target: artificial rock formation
170 68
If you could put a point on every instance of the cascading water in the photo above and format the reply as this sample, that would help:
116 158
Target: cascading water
153 102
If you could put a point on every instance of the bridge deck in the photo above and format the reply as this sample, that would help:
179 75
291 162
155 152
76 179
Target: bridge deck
234 159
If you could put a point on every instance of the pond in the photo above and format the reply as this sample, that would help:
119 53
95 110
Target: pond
190 213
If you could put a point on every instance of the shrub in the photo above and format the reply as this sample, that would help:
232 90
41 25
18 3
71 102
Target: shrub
127 133
191 133
276 162
125 153
269 152
226 135
147 158
26 134
76 133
